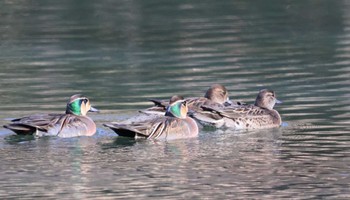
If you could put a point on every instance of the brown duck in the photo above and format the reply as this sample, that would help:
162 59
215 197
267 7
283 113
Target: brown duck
258 116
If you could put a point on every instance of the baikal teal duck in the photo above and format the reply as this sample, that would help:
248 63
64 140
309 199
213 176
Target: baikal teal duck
175 124
258 116
71 124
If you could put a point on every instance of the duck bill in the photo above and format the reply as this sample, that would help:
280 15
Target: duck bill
278 101
228 102
92 109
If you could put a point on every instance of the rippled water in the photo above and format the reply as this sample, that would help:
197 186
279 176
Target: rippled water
120 54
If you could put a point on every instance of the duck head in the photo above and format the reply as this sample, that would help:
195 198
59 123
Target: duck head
266 99
177 109
218 94
79 105
175 98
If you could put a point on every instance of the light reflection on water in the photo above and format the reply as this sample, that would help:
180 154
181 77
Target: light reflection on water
121 54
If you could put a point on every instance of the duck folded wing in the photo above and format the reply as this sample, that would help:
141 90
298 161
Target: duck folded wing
30 124
137 129
244 111
234 112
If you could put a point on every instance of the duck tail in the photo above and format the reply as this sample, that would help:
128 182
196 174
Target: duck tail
121 130
21 129
159 103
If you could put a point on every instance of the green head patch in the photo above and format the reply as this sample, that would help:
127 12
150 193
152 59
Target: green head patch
178 109
74 107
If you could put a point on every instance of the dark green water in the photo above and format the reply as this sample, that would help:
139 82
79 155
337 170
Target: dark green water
121 53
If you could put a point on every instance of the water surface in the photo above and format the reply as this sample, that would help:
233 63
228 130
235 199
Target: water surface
120 54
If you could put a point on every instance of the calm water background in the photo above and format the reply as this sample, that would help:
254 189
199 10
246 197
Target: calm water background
121 53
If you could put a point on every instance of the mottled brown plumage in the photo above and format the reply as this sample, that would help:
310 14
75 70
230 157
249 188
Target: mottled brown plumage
257 116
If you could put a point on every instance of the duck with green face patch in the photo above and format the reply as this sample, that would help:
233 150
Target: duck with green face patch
175 124
71 124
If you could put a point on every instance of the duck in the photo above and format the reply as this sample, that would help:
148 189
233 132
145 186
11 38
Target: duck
216 95
174 124
260 115
160 106
74 122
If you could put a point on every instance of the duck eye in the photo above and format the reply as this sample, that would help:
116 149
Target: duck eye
184 103
85 100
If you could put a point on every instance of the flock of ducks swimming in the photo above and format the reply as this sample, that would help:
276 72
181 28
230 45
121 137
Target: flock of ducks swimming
178 118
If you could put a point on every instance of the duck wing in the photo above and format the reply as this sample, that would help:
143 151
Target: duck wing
30 124
248 111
